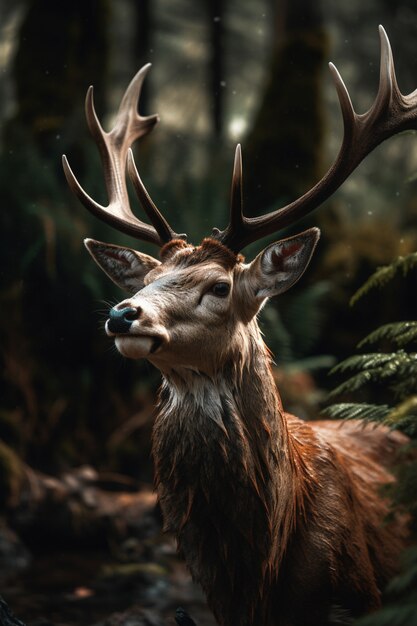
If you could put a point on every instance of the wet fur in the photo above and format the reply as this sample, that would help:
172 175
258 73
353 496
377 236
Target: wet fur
276 518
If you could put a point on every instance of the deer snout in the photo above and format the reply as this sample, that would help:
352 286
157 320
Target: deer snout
121 319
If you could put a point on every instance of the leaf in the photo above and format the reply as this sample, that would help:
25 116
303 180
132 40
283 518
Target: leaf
400 333
384 274
362 362
399 368
355 382
356 410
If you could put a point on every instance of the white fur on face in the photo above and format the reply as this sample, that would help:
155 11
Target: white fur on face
138 347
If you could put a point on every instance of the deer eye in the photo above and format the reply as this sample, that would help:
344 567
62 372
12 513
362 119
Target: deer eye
221 290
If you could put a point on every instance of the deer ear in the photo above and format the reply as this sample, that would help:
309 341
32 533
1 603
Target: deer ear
126 267
281 264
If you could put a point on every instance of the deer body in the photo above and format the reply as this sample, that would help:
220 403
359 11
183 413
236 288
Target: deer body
279 520
283 542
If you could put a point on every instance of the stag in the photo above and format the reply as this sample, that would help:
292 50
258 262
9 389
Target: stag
279 520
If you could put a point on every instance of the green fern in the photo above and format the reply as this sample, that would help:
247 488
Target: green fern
368 362
399 369
354 410
396 371
356 382
386 273
398 333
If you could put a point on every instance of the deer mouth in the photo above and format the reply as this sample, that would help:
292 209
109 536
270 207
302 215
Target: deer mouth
138 346
156 343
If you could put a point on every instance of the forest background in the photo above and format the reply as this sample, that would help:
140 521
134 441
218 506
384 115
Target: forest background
223 71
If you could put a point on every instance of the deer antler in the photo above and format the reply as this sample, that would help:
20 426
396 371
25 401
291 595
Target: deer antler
391 113
115 152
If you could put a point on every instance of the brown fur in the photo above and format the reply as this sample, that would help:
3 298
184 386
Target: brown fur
278 519
209 250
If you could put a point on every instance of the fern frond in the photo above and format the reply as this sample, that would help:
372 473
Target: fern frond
405 385
400 333
365 361
386 273
356 410
408 425
404 365
398 368
355 382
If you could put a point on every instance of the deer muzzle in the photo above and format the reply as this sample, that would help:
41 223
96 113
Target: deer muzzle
135 329
120 320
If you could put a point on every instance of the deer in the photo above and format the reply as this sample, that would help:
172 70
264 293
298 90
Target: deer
280 520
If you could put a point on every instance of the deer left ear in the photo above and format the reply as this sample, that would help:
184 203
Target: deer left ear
281 264
126 267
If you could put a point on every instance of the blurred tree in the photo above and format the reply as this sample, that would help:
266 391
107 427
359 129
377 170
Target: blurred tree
52 368
282 154
216 82
61 46
142 43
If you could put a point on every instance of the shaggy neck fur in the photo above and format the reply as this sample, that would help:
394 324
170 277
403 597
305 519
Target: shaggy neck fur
228 481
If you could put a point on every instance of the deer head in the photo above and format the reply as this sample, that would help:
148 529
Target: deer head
191 308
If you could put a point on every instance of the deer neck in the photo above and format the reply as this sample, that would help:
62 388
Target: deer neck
225 478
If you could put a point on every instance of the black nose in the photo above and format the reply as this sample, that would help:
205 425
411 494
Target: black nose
120 320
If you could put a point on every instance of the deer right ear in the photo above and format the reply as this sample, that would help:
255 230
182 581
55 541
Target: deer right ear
126 267
281 264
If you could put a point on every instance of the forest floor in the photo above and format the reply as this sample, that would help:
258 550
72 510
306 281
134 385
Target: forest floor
107 564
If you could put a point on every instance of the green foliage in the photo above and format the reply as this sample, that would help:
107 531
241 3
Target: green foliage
399 333
356 410
393 375
396 369
384 274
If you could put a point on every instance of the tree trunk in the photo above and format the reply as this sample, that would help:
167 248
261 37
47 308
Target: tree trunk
215 9
62 47
282 154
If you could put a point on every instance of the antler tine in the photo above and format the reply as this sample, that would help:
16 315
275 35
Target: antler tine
114 145
348 112
237 219
391 113
161 225
236 199
387 77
